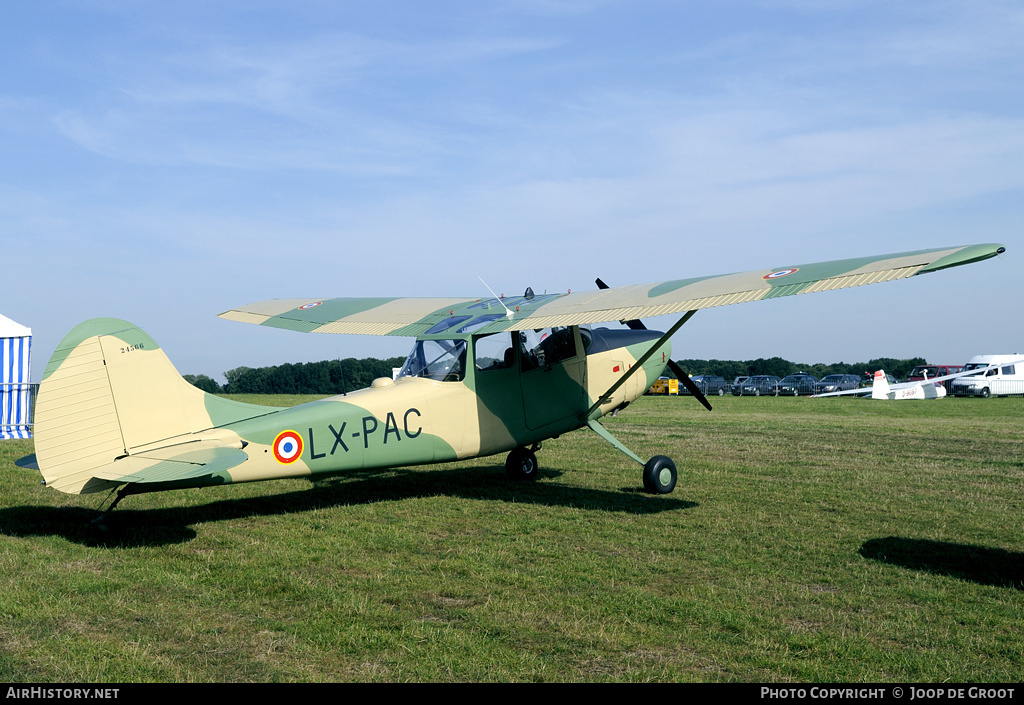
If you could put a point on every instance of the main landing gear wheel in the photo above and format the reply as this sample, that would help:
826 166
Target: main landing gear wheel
521 464
659 475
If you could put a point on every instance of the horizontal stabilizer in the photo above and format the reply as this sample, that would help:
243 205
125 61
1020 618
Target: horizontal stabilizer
176 464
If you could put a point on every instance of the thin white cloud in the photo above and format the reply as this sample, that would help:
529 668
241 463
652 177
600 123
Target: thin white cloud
540 143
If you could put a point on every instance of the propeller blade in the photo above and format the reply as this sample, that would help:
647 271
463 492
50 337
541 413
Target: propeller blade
636 323
689 384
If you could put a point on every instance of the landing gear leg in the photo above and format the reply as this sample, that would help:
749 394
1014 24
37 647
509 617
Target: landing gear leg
659 472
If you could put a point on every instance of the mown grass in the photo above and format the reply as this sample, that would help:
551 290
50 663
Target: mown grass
808 540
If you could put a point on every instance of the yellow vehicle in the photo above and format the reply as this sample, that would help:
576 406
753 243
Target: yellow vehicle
664 385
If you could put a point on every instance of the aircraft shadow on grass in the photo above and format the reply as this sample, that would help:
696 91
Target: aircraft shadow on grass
979 564
130 528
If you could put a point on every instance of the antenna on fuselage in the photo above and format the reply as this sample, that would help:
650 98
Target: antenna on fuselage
508 313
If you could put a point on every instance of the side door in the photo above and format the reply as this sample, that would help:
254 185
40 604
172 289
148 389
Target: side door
553 375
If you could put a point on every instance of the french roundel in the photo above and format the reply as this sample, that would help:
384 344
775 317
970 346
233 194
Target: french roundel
303 307
288 447
781 273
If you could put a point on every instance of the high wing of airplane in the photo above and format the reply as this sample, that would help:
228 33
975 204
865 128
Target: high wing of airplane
484 376
919 389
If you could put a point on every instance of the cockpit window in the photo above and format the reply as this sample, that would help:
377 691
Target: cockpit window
442 360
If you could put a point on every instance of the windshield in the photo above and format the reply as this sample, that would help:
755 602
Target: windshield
443 360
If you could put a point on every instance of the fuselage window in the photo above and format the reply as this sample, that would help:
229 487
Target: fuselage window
548 346
494 352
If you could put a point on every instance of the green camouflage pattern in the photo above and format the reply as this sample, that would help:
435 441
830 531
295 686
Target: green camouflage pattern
112 411
418 316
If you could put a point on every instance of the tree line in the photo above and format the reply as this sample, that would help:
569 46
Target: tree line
730 369
326 377
338 376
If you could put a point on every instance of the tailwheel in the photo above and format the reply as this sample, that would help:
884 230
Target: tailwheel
521 464
659 475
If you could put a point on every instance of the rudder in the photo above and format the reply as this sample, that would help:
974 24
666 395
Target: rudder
880 387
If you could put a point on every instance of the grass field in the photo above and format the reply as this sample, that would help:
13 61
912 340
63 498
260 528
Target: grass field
808 540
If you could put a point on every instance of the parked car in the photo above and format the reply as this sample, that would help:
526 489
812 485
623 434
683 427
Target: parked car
1000 381
837 383
737 385
709 385
797 384
933 371
760 385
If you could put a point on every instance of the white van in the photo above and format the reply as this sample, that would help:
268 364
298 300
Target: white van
1006 379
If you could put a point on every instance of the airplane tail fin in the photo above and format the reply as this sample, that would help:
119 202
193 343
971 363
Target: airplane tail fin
108 391
880 387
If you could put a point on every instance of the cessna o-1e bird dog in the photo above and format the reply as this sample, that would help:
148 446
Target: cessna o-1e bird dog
485 376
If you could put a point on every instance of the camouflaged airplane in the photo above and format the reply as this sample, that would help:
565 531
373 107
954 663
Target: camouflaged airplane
485 376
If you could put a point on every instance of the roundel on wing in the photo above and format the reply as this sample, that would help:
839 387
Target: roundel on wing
287 447
781 273
303 307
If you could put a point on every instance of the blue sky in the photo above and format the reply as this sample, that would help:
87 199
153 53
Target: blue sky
164 162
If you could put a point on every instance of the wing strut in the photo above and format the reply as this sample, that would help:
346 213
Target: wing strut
589 414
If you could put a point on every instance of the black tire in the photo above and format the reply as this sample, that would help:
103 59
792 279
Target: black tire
985 393
721 392
660 475
521 464
757 392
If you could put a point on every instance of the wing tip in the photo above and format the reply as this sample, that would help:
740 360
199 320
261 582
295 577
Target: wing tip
965 255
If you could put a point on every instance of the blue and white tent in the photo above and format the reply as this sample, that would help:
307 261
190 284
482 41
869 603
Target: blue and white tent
15 379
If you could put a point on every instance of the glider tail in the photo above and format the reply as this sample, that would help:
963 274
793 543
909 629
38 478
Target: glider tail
109 390
880 388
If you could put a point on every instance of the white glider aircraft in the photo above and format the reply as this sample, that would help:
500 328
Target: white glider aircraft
920 389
